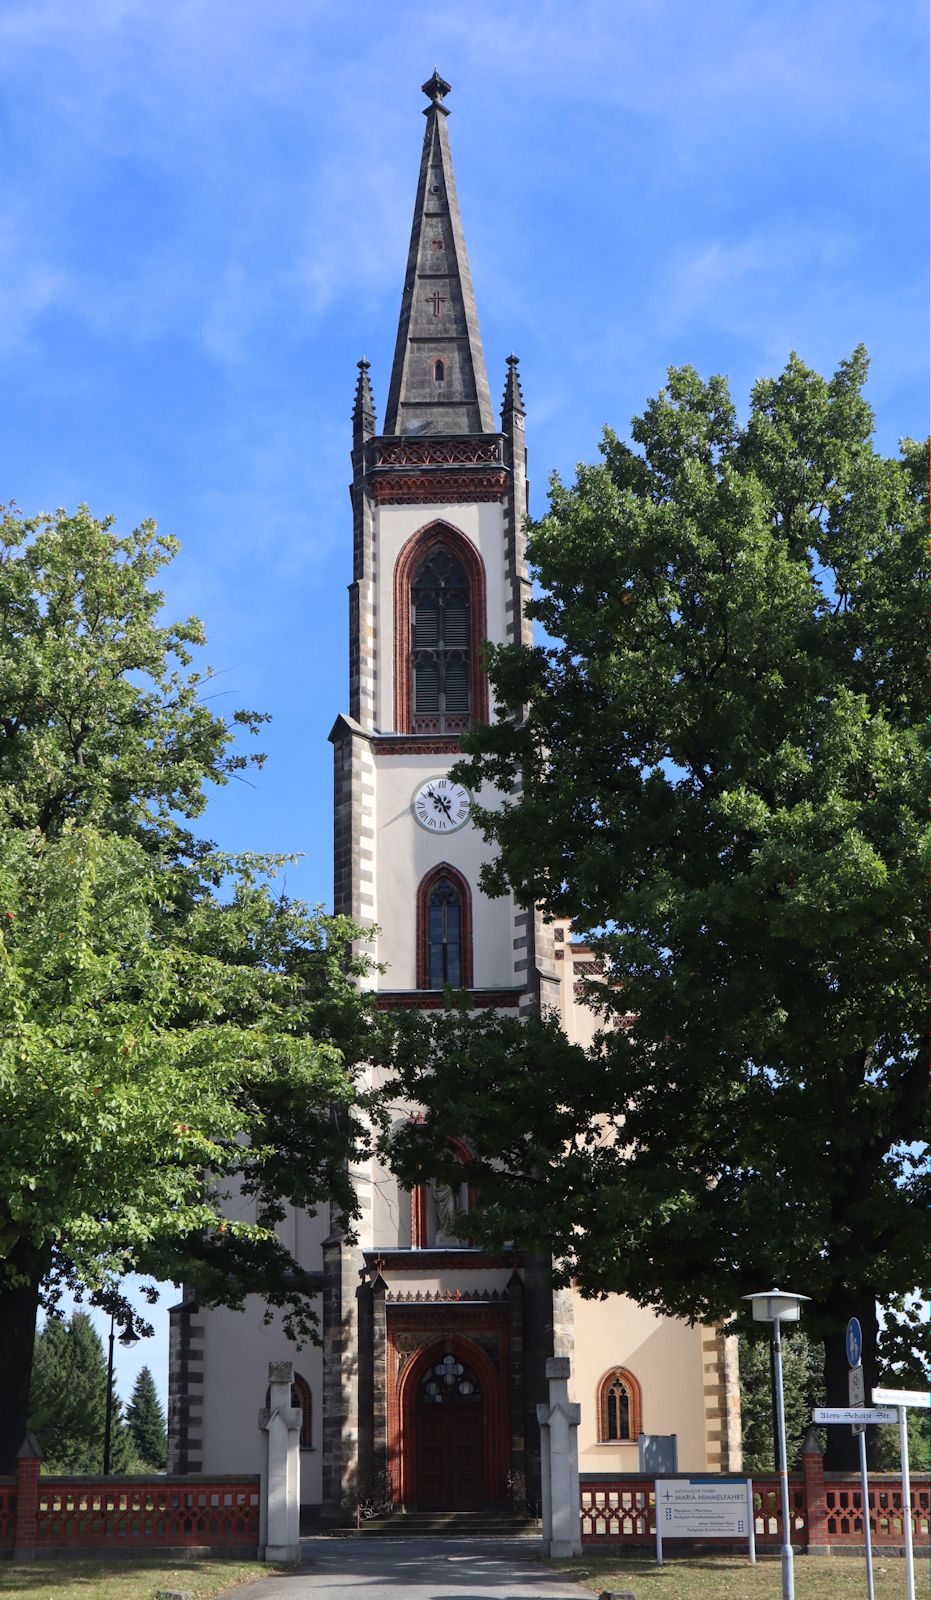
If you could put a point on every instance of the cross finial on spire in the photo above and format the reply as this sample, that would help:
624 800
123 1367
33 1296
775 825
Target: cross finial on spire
436 89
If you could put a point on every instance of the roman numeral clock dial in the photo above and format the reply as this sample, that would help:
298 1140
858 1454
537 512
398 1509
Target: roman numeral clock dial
441 806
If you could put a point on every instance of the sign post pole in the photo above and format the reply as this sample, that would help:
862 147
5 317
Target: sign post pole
867 1536
906 1507
902 1398
857 1394
751 1522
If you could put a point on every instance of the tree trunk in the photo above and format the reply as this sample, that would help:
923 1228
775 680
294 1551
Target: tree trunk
843 1449
19 1304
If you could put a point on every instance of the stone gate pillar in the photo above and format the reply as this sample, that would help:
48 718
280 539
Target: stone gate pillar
559 1438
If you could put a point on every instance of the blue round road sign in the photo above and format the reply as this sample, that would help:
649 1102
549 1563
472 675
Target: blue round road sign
854 1342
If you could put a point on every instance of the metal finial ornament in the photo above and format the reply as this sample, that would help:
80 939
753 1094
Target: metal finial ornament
436 88
363 365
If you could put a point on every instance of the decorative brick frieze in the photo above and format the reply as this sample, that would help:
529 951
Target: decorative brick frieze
467 451
422 746
439 488
435 1000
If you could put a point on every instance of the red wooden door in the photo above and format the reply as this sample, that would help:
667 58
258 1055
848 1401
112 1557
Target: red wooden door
450 1439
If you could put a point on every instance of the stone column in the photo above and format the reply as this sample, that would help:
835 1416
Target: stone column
280 1495
559 1423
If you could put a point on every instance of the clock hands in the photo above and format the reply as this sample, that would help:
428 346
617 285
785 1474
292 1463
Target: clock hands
439 802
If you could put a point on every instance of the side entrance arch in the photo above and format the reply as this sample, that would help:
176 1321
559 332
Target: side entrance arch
453 1444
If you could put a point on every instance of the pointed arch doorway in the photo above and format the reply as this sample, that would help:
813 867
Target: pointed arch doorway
450 1437
453 1435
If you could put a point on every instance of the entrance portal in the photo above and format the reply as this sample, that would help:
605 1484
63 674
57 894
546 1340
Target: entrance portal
450 1424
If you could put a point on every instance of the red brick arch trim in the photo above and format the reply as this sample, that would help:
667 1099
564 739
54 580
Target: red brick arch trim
402 1448
410 558
635 1393
425 889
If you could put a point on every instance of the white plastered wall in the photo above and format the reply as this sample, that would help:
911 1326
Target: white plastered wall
666 1359
405 853
237 1349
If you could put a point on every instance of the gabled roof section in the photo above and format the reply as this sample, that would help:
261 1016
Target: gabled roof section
438 381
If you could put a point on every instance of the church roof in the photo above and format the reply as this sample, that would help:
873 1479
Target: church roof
438 380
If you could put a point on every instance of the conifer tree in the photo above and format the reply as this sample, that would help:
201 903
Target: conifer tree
146 1421
68 1400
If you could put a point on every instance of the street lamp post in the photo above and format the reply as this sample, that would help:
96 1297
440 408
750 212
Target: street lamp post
778 1306
127 1337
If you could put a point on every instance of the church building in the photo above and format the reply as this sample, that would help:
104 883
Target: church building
425 1387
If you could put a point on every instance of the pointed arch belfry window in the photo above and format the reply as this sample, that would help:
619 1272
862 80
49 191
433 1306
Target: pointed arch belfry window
440 638
440 687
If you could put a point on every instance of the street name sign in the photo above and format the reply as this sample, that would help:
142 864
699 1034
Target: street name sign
704 1508
828 1414
902 1397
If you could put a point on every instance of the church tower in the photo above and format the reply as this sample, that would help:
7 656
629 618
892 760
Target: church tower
438 496
424 1388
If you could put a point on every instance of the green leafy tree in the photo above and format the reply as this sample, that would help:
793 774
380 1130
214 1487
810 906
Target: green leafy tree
171 1028
722 765
145 1420
803 1389
68 1400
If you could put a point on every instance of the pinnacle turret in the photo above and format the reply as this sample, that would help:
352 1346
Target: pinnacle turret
363 409
513 400
438 379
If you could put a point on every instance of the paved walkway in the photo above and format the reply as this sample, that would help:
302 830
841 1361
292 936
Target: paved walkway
416 1569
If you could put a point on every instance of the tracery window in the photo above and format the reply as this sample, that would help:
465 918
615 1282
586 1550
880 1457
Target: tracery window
444 936
444 930
619 1407
440 639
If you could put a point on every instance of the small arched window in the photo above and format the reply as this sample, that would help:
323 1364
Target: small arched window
619 1407
440 638
444 930
301 1396
439 371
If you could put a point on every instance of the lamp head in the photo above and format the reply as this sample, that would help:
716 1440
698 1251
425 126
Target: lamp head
776 1305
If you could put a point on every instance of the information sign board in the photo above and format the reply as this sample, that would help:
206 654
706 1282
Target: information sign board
704 1508
856 1387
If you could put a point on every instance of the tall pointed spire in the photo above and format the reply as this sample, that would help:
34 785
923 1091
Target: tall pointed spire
438 380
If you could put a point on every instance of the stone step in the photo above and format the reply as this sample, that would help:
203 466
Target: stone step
449 1524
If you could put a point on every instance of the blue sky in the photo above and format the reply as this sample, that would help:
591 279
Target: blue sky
206 206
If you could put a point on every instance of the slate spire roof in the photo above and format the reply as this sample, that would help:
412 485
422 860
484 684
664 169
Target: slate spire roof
438 380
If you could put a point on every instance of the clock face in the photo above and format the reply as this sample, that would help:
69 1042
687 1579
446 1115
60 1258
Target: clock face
441 806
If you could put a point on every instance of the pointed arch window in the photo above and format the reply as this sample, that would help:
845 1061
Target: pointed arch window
620 1417
439 684
444 930
439 371
440 644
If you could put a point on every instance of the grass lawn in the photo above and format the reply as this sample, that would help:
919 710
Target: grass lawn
732 1578
124 1580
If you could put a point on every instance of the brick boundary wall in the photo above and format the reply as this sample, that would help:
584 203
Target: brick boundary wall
186 1515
